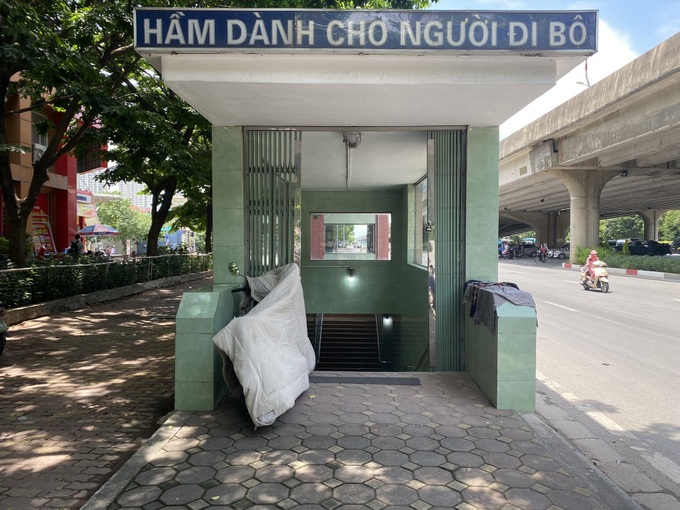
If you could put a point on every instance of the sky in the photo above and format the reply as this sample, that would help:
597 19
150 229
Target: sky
627 29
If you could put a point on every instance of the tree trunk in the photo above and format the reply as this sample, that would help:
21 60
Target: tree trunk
164 192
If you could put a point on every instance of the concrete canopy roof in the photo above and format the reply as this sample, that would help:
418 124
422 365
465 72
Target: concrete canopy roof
353 92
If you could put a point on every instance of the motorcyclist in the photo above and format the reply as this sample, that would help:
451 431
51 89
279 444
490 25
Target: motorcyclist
592 258
544 251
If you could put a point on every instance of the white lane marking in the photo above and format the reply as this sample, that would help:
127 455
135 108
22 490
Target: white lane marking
561 306
665 465
606 422
674 299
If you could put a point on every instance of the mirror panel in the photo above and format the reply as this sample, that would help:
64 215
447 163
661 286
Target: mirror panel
350 236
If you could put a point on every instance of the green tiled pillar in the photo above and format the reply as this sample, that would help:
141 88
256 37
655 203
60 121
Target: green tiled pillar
199 385
503 363
228 199
481 215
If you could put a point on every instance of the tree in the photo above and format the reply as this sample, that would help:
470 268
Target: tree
132 223
76 59
68 57
669 226
179 160
625 227
179 154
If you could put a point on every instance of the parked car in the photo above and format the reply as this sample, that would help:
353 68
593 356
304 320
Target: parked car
638 247
530 248
675 245
561 252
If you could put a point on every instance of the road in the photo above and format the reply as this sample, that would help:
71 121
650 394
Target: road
616 356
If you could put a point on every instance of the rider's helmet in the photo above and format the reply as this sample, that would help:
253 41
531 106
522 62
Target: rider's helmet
592 253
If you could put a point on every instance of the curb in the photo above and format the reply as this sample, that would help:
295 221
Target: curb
112 488
18 315
588 475
652 275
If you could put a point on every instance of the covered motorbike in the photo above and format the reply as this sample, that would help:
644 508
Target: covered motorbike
599 279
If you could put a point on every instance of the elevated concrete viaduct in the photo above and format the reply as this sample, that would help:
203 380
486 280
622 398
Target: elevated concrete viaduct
611 151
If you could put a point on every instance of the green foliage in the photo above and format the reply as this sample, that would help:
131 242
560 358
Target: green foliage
121 214
63 277
669 226
622 228
660 264
4 245
625 249
583 252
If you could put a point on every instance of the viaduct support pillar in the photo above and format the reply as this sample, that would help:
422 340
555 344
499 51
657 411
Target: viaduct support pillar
585 188
651 219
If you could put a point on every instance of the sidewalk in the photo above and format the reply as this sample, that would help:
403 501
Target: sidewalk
82 393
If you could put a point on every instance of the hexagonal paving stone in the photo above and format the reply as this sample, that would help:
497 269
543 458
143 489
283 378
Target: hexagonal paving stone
483 497
483 432
284 442
235 474
353 442
225 494
353 493
457 444
155 476
554 480
491 445
473 477
316 457
267 493
433 475
217 443
313 473
513 478
395 475
422 443
573 500
139 497
427 458
540 463
195 475
526 498
164 459
440 496
318 442
390 458
396 495
274 474
353 457
181 495
502 460
388 443
180 445
355 474
310 493
209 458
465 459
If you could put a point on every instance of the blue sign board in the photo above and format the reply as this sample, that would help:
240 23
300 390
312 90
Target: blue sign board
366 31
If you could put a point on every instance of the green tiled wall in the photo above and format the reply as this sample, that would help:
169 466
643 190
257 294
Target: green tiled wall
227 182
504 363
377 285
481 215
199 385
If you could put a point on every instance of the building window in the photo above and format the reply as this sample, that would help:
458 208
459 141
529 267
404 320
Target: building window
39 135
90 158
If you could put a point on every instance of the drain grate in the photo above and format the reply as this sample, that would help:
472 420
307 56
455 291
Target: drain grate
387 381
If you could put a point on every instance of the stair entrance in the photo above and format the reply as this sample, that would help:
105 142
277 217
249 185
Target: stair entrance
345 342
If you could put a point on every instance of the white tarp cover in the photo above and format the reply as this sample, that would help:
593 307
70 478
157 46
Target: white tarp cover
269 348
